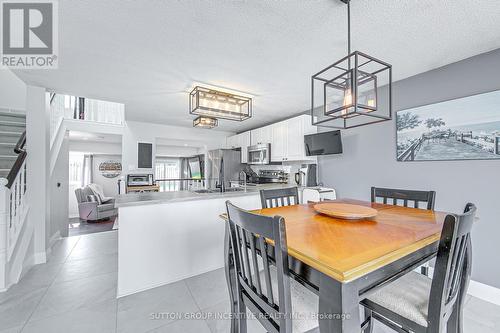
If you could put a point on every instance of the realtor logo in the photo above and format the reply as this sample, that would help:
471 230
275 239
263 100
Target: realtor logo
29 34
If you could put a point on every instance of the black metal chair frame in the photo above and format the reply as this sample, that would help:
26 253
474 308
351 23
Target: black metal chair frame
449 284
279 197
251 233
404 195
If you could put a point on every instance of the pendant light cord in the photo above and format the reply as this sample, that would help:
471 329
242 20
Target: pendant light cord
348 27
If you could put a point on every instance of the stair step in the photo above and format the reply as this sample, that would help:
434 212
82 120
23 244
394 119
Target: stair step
12 116
10 133
8 157
12 123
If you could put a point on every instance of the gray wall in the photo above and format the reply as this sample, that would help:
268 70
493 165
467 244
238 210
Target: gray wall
369 158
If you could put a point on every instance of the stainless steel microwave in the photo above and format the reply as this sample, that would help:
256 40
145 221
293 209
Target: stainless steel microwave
259 154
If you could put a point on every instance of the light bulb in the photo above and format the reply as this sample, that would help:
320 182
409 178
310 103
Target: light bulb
347 100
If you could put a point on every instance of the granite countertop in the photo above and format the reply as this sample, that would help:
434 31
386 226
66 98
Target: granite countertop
149 198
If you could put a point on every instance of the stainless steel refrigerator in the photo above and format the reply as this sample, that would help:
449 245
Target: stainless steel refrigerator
223 166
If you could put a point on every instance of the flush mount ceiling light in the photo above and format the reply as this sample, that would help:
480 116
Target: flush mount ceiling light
218 104
352 92
205 122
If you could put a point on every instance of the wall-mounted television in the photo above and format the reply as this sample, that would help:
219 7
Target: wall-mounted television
325 143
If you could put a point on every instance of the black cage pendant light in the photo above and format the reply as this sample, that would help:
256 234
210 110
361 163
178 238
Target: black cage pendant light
352 92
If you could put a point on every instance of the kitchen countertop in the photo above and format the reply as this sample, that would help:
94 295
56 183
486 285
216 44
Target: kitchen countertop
149 198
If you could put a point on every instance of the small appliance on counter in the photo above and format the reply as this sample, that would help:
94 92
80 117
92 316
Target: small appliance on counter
306 177
318 194
141 183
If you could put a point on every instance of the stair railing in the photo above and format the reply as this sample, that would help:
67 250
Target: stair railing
13 208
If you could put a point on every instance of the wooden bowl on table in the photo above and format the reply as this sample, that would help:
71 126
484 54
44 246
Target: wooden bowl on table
345 211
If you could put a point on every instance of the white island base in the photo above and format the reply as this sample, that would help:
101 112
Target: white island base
163 241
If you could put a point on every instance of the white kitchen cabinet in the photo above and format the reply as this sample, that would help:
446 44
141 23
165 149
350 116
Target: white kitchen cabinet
242 141
295 139
262 135
279 141
287 142
232 142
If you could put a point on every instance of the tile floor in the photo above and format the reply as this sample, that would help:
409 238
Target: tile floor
79 227
76 292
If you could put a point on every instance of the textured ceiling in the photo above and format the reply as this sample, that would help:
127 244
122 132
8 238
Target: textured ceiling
147 54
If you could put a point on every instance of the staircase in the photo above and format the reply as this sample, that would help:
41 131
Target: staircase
12 125
15 234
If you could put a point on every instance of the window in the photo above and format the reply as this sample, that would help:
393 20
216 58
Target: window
168 168
76 169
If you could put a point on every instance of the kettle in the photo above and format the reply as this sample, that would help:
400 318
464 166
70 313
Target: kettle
300 178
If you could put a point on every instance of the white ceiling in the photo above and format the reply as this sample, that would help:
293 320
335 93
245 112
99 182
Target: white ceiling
147 54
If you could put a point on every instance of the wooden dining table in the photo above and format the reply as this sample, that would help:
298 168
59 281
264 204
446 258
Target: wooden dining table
343 261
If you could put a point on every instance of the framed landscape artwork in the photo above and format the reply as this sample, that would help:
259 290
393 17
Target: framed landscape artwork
461 129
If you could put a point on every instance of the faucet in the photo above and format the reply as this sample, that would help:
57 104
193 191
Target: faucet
244 178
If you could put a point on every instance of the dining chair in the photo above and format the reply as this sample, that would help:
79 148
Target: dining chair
279 197
417 303
403 197
263 283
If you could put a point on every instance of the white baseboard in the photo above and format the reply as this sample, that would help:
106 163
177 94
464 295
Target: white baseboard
40 258
485 292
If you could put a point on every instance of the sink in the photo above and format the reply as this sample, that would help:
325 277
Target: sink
207 191
235 189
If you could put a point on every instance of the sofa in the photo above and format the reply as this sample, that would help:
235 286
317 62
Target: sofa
92 206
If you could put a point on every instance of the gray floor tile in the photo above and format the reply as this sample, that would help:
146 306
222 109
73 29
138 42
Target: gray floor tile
38 276
473 326
184 326
82 293
62 249
77 269
100 318
488 314
209 289
16 307
16 329
135 312
91 247
218 319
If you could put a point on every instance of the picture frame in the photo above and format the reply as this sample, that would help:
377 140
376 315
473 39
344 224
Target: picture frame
466 128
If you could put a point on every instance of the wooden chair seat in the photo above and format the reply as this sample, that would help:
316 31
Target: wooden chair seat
416 303
305 303
407 297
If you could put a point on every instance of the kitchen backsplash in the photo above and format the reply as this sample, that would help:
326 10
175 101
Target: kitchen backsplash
290 168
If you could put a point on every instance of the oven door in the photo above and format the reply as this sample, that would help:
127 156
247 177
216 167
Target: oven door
259 154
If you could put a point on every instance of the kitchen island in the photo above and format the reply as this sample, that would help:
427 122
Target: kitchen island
169 236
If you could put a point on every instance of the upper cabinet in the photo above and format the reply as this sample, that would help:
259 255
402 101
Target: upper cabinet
286 139
242 141
261 135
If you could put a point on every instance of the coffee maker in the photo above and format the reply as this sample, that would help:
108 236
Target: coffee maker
306 177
